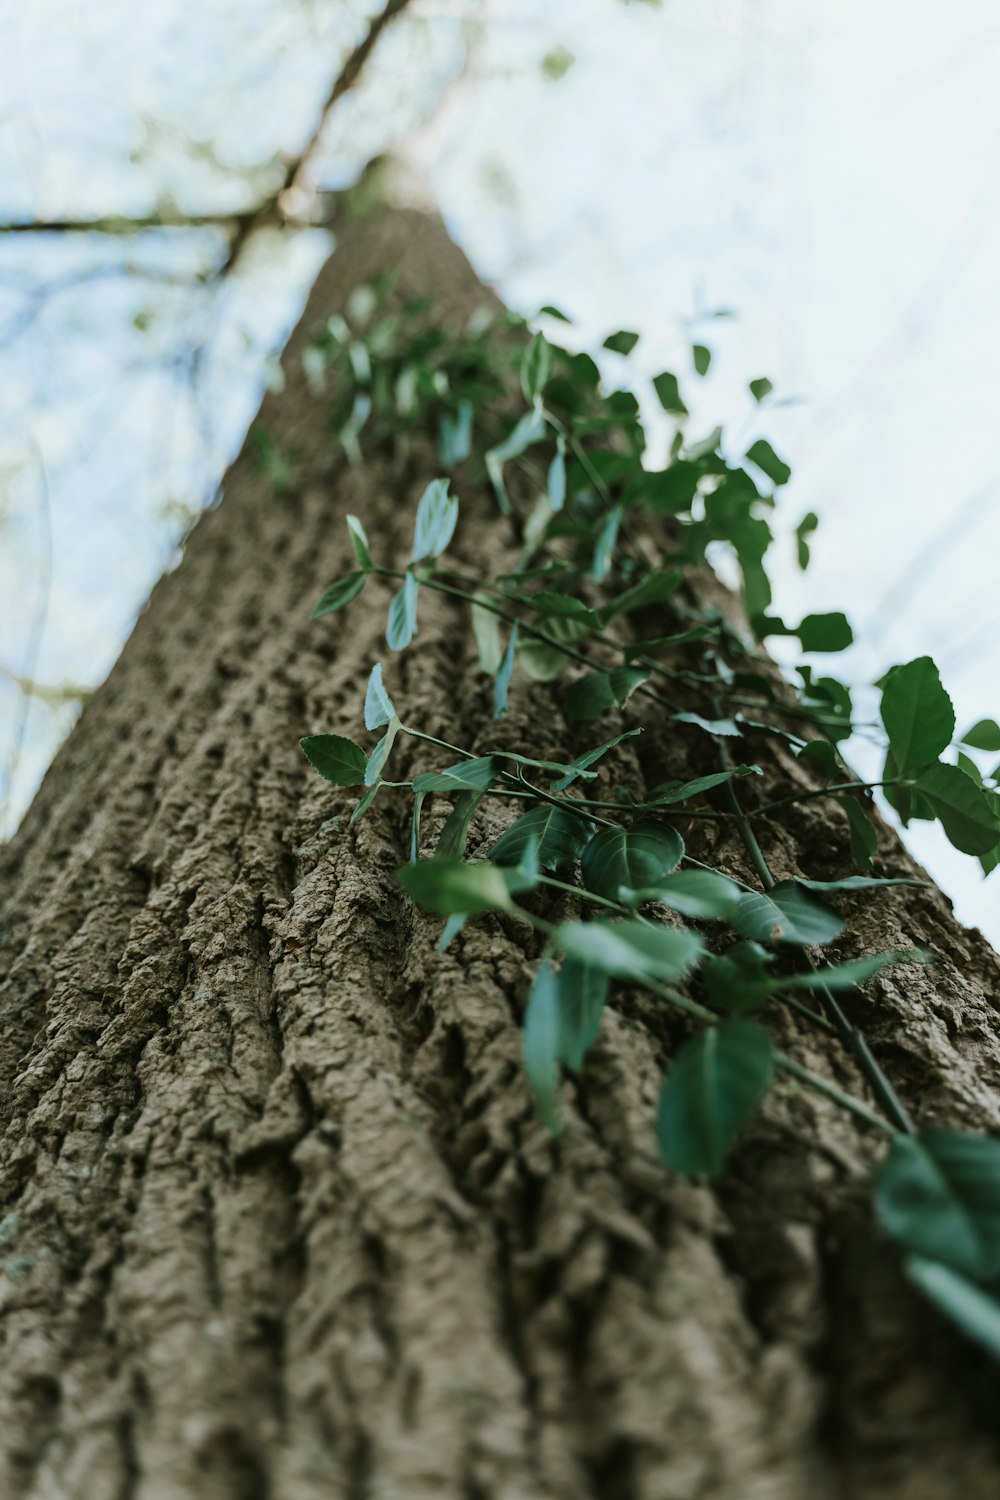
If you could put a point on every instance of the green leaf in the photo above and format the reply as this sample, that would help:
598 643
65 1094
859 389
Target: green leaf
561 837
418 803
984 735
555 484
726 727
339 760
379 756
339 594
622 342
631 949
668 394
631 857
597 692
455 435
739 979
379 708
938 1193
530 429
604 546
714 1086
549 603
785 915
968 1306
967 764
583 762
501 686
402 623
828 702
653 589
451 929
536 367
455 832
541 1045
862 836
917 714
544 658
359 542
904 798
823 754
486 629
543 765
763 455
666 642
623 682
803 531
856 971
583 992
694 893
527 873
365 803
437 517
589 697
964 811
760 388
664 492
829 632
451 886
468 775
702 358
553 312
856 882
670 792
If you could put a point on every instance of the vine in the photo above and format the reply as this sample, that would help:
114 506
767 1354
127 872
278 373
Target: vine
586 511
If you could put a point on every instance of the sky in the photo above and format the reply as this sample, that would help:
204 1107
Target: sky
825 174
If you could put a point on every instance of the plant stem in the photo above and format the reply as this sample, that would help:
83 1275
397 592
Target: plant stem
556 801
824 1086
852 1040
857 1045
418 734
826 791
746 833
575 890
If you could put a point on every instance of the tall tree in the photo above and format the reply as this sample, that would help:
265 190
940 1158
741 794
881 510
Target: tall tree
281 1219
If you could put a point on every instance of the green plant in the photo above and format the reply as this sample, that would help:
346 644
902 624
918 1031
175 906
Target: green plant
604 544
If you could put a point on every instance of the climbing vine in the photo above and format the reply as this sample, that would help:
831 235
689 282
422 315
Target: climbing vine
600 586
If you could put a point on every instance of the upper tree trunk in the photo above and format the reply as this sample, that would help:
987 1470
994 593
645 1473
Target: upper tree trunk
281 1221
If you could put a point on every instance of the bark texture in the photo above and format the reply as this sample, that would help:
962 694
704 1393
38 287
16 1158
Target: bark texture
277 1219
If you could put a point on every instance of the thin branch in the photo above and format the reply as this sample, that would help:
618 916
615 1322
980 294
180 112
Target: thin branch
241 223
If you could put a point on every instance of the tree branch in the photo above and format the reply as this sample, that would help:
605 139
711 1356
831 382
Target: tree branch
241 224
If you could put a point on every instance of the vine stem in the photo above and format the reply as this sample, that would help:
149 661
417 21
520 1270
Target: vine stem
574 890
560 801
418 734
853 1040
600 636
530 790
782 1061
578 449
620 908
746 833
824 1086
828 791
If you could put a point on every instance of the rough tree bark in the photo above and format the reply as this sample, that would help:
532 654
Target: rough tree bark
280 1220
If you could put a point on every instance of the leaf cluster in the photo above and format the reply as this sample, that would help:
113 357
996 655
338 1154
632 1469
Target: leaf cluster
515 413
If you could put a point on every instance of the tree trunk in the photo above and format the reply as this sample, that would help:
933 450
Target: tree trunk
280 1218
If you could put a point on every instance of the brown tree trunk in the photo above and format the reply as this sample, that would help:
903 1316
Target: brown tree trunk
280 1220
